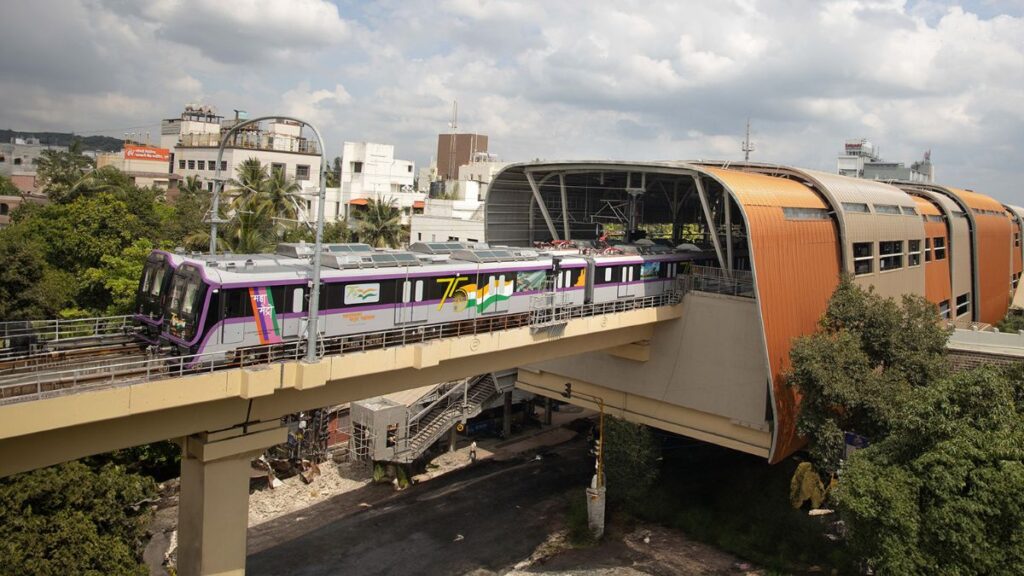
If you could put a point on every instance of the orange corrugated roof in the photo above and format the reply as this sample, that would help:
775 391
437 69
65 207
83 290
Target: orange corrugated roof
926 207
358 201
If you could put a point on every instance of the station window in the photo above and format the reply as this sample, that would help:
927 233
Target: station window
887 209
927 249
1016 239
939 247
913 253
963 304
944 309
855 207
863 258
909 211
805 213
890 255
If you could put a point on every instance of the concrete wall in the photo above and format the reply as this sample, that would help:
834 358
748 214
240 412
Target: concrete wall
711 360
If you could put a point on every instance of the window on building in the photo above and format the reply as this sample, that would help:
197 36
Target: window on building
855 207
805 213
223 165
913 253
409 168
890 255
1016 239
181 164
908 210
3 158
209 186
357 167
939 247
472 240
453 238
863 258
887 209
191 164
17 161
277 167
302 172
201 165
963 304
4 209
927 249
419 236
944 309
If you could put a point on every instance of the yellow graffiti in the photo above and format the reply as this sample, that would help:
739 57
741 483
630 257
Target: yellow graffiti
453 284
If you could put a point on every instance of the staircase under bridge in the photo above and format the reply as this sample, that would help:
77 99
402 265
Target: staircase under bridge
401 427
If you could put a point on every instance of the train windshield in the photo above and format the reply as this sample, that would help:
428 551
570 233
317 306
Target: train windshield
187 294
155 278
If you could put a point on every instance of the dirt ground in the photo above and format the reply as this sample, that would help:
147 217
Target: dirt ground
643 550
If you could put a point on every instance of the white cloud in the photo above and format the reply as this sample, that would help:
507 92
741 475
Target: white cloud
601 79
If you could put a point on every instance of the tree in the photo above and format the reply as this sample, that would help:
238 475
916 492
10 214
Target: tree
334 173
283 196
118 275
7 187
29 288
58 171
69 519
380 223
939 488
855 373
250 182
631 460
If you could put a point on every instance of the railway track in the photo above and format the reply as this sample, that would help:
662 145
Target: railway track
48 360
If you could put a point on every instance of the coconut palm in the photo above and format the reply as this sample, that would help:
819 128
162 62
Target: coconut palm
380 223
283 196
250 182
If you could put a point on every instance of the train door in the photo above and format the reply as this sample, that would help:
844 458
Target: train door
494 298
231 332
403 306
294 300
626 287
418 311
588 293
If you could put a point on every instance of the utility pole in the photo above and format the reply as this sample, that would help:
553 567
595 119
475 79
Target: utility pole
747 145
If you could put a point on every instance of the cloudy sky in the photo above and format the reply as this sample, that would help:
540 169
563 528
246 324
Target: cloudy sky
555 80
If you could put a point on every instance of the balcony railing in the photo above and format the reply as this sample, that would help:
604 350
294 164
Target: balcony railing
718 281
252 141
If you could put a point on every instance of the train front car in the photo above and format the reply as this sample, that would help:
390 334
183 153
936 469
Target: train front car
186 308
151 293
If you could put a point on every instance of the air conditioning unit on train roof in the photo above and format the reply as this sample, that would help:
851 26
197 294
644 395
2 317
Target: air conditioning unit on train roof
350 260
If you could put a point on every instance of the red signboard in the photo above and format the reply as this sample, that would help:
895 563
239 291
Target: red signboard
146 153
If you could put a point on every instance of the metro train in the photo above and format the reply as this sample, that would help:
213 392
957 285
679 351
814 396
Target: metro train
213 306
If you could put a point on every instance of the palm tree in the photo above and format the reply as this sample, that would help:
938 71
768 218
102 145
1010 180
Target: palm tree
283 196
380 223
250 182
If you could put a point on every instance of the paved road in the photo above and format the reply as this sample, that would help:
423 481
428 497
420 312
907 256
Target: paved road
502 510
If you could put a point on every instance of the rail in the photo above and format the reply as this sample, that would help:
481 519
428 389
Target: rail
717 281
25 337
39 385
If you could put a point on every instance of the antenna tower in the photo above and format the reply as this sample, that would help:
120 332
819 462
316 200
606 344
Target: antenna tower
748 146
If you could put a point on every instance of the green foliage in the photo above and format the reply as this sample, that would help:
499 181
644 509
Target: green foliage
855 374
118 275
60 174
938 491
631 460
334 173
1013 322
69 519
7 187
576 520
379 224
29 289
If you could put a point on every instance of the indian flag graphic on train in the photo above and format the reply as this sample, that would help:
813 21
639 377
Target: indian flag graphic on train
484 297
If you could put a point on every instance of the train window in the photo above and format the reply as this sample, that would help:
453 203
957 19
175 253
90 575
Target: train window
608 274
236 303
927 249
890 255
558 282
406 291
297 300
944 309
567 282
939 247
863 258
913 253
419 290
963 304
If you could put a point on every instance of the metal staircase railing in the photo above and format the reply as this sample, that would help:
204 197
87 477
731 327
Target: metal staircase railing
431 423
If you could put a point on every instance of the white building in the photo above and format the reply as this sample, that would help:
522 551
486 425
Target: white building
371 171
459 220
144 165
279 145
860 159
